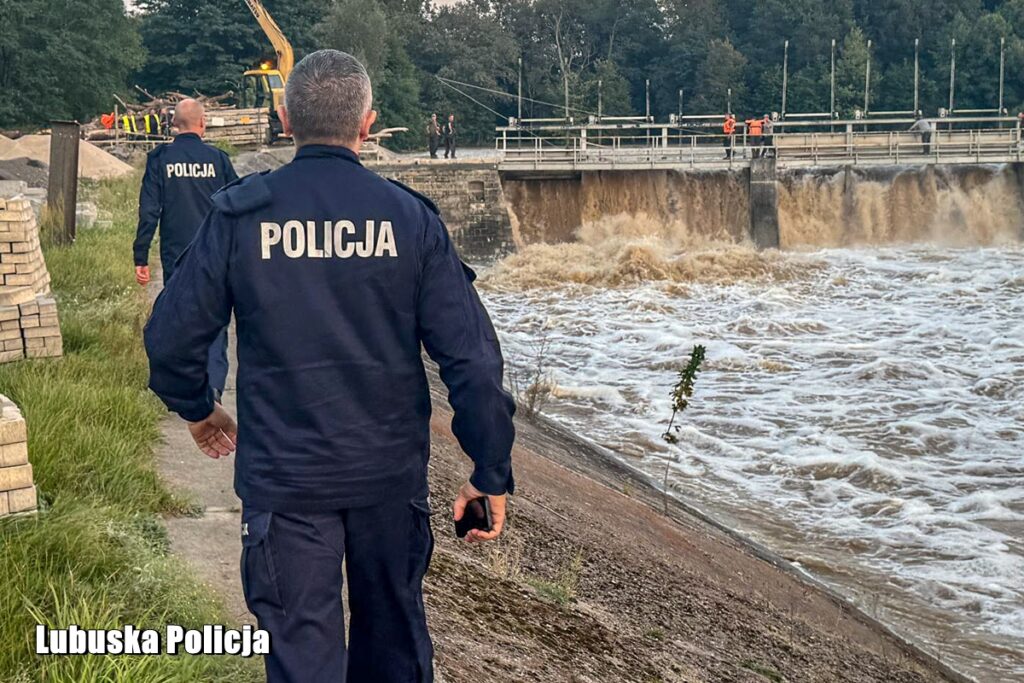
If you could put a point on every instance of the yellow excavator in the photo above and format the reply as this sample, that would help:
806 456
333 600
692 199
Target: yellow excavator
264 87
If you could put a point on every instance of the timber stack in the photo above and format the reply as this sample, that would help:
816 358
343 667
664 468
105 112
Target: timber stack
240 127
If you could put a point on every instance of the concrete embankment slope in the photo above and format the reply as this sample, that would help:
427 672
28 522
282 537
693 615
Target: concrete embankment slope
590 584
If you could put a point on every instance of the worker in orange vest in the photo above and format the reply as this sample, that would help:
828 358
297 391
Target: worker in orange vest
754 130
729 128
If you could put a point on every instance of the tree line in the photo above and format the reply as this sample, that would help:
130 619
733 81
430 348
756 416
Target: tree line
66 58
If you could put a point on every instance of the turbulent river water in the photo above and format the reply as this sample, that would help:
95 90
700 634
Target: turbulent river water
861 410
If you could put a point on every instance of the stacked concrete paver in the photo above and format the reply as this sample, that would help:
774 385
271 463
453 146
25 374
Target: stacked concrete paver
17 493
28 316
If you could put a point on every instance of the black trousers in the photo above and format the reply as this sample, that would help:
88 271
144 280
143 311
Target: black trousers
432 142
926 143
292 580
449 147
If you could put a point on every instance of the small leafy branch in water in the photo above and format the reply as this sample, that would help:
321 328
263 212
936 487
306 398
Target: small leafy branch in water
530 377
681 395
683 391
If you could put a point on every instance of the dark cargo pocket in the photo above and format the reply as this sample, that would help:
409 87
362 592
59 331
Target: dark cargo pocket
422 542
259 573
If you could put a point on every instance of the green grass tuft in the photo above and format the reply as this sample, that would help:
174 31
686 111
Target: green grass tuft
762 670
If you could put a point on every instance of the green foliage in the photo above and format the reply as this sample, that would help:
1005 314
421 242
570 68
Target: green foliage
850 71
564 588
683 390
704 47
63 59
227 147
365 29
765 672
206 45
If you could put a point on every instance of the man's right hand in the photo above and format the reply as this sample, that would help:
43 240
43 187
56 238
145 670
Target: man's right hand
217 435
469 492
142 275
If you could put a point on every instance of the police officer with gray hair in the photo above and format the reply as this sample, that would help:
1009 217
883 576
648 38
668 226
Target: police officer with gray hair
337 279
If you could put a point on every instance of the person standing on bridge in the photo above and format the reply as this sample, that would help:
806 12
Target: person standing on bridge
925 127
336 294
729 129
433 136
753 127
449 136
768 135
176 189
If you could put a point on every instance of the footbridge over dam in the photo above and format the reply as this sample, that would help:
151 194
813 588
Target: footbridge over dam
835 187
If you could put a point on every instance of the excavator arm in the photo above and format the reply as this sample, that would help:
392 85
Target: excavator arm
285 55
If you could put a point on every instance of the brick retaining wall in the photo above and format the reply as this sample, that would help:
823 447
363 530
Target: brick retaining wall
471 201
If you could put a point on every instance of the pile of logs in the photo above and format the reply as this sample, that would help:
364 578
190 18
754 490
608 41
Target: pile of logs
241 127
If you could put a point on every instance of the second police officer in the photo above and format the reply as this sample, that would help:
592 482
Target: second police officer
337 278
177 190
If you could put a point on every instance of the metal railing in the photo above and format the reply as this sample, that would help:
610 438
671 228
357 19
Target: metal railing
663 146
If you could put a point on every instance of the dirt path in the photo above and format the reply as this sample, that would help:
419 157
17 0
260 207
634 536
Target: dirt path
591 584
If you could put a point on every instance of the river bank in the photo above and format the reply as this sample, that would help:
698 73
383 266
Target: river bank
591 583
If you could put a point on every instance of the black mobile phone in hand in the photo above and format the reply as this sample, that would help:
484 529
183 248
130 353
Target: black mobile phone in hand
477 515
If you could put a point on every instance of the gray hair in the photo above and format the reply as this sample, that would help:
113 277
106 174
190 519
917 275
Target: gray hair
327 96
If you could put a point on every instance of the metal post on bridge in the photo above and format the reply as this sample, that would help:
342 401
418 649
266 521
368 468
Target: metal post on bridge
832 84
520 97
1002 75
62 187
952 75
917 76
647 96
785 76
867 83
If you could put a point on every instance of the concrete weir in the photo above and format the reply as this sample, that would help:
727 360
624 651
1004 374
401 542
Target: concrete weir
764 204
492 213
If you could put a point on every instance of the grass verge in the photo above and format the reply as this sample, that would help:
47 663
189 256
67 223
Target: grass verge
96 555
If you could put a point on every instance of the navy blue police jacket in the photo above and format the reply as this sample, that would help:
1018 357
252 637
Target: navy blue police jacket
180 180
337 279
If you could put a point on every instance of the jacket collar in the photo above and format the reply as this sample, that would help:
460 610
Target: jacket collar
322 151
187 136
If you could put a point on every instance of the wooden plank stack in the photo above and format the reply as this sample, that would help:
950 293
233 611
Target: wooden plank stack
28 315
17 492
240 127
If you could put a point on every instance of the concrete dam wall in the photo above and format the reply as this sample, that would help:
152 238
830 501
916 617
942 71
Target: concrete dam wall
491 214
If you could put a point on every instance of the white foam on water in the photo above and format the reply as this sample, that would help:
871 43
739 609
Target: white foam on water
862 410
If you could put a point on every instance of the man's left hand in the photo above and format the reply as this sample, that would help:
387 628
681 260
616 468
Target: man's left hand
467 493
217 435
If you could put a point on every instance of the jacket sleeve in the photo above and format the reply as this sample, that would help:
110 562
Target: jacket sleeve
193 308
458 335
150 201
230 175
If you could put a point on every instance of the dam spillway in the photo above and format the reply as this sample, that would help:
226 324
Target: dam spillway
492 213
